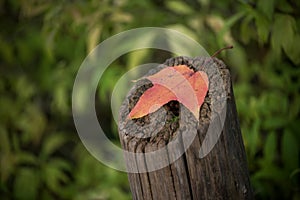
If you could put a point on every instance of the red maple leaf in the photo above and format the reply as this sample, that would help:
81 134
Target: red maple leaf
173 83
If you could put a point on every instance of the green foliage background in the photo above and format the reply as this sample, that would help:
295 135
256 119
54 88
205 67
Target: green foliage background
42 44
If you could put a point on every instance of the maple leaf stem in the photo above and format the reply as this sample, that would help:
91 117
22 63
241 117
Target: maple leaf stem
217 52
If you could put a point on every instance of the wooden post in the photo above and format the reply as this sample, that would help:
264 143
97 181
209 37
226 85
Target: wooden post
221 174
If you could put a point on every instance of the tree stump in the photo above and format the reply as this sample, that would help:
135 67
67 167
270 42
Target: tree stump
172 155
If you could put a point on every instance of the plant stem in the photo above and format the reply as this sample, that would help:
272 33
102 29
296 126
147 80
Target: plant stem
217 52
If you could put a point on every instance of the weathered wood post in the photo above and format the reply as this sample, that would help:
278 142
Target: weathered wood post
171 155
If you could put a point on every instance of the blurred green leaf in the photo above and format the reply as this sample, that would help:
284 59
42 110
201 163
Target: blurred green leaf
263 27
247 30
290 151
284 6
254 139
26 186
228 24
183 29
24 88
93 37
274 122
6 51
270 148
92 194
238 60
60 163
61 100
136 58
282 32
179 7
4 140
54 177
53 143
292 49
267 7
294 176
294 107
269 172
116 193
32 123
108 81
27 158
